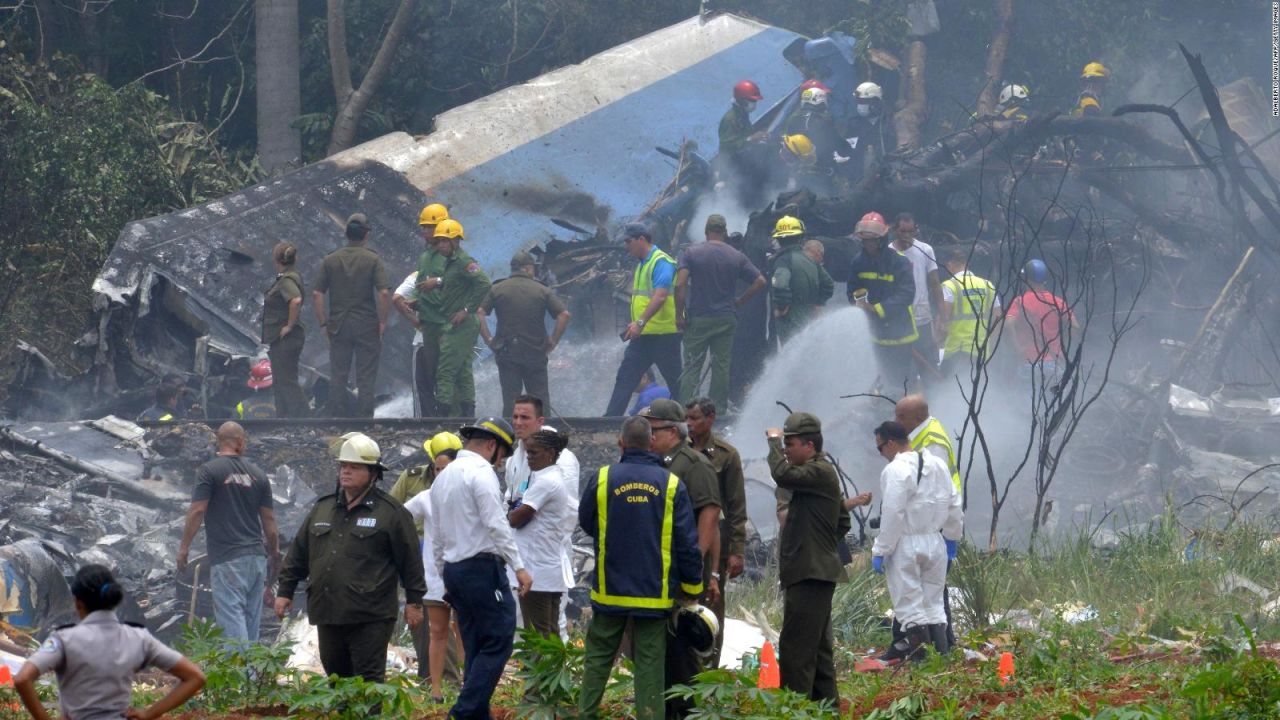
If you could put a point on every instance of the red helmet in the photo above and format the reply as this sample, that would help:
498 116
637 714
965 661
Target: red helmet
747 90
813 83
260 375
873 223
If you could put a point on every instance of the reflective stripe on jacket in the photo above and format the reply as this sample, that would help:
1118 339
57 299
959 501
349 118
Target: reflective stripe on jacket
646 540
891 290
971 313
663 322
934 434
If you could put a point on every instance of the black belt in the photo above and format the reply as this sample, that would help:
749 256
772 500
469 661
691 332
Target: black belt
486 556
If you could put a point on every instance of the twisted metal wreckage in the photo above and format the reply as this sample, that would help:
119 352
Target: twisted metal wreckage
180 292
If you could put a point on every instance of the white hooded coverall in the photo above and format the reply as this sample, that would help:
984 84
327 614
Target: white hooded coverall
911 514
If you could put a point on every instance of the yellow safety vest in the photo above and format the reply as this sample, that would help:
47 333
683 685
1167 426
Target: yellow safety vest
663 322
934 434
971 313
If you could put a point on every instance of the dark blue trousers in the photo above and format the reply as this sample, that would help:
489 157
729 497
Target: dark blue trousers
478 591
641 354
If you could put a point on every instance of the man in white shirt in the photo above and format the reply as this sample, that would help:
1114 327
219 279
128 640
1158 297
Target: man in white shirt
544 518
924 270
472 543
526 419
404 299
917 499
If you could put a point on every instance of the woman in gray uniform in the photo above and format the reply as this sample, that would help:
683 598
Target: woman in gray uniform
96 659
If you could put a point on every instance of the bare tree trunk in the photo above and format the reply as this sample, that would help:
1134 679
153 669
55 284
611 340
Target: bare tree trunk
995 57
353 102
909 119
278 84
96 55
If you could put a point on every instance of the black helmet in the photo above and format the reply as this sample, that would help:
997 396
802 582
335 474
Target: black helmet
497 428
698 626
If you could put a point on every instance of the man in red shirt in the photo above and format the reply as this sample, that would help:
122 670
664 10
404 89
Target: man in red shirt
1036 318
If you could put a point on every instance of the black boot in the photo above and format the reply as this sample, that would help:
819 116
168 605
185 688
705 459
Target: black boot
911 647
938 634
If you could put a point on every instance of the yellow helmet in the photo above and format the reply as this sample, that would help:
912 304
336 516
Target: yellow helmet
440 442
1095 70
1088 105
433 214
788 226
800 146
449 229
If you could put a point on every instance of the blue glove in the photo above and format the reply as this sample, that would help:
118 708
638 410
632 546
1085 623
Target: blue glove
952 547
877 564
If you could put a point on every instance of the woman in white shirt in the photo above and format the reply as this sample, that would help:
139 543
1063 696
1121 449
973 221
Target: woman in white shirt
439 615
544 518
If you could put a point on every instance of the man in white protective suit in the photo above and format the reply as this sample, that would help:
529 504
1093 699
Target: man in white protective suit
918 500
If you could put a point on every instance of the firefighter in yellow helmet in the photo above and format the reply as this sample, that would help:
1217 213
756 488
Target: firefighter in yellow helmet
430 321
462 287
439 447
1093 82
799 157
799 286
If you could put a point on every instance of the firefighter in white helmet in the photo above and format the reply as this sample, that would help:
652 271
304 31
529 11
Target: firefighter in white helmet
868 132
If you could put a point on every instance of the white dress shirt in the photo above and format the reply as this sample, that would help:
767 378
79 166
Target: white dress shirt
420 507
470 517
406 291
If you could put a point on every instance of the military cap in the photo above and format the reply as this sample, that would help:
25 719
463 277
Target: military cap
522 259
664 409
358 220
717 222
801 423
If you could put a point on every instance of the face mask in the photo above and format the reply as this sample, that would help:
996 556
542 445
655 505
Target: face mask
864 110
750 106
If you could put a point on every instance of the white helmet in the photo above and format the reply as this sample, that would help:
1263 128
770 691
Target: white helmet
867 91
1012 92
361 449
813 96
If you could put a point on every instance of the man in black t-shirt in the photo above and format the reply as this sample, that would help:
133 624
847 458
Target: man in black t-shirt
232 498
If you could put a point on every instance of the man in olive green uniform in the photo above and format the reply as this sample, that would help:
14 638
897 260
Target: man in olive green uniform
431 322
808 563
670 434
521 346
462 286
800 285
700 414
359 298
353 547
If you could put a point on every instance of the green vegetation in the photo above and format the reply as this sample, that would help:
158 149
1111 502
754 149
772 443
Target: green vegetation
78 160
1138 630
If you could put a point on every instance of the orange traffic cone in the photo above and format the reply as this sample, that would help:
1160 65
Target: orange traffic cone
1005 670
770 676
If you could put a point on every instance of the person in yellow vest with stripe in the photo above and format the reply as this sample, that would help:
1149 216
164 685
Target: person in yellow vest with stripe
640 519
970 312
927 434
652 335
